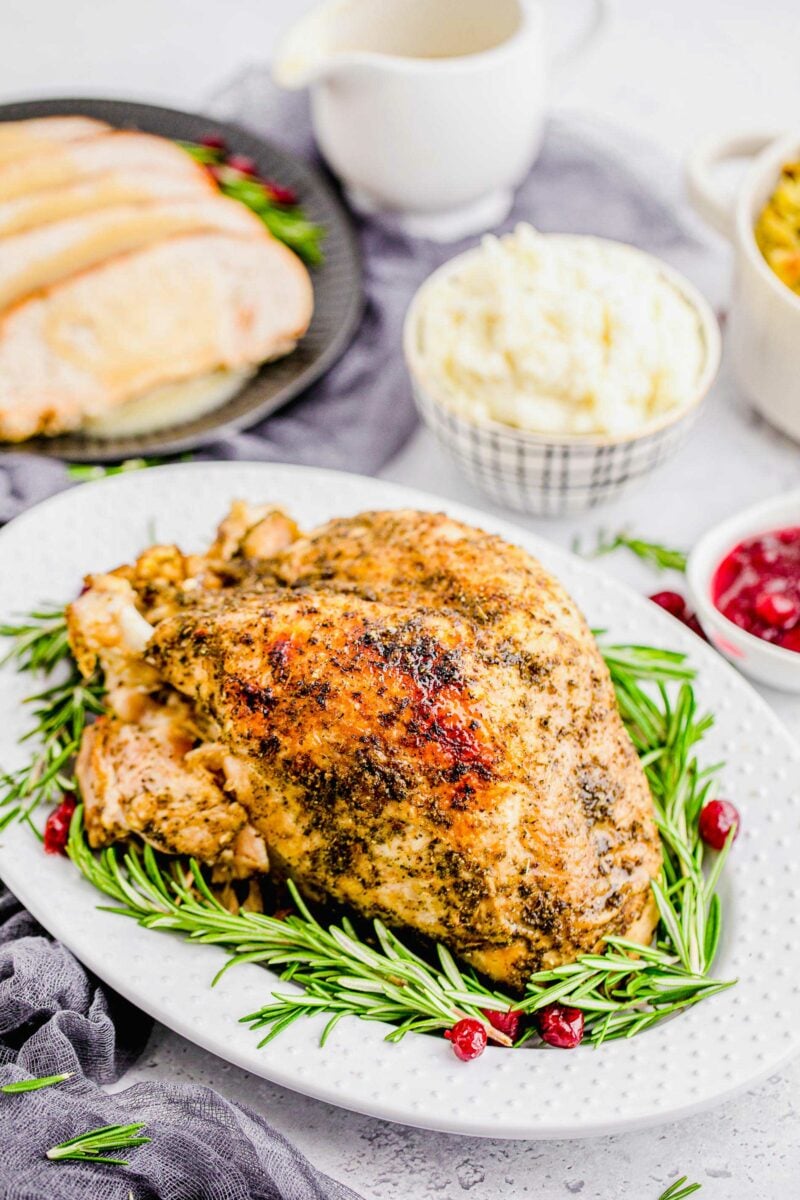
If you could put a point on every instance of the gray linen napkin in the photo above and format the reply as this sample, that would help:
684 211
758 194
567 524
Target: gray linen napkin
588 179
55 1018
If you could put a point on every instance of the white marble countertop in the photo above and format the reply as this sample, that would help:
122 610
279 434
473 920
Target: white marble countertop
670 73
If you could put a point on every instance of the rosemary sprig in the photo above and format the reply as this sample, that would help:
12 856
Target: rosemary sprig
339 972
677 1191
34 1085
39 642
663 558
91 1146
60 713
86 472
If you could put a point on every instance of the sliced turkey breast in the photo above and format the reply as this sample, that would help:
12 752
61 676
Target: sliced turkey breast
20 139
173 310
135 186
41 257
115 151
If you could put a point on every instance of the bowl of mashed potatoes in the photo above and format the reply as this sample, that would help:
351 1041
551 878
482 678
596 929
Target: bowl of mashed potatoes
558 369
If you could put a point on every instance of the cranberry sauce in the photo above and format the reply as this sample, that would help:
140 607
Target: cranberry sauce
757 586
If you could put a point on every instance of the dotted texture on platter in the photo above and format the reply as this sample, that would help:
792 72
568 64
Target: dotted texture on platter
684 1065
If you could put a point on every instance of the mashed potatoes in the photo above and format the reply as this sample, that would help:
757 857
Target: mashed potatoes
560 335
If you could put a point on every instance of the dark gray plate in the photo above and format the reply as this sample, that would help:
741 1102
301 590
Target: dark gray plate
337 285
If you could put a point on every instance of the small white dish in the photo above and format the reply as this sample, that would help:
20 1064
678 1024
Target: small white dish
765 313
760 660
552 475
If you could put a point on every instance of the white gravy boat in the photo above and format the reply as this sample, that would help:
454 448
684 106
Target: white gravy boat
430 110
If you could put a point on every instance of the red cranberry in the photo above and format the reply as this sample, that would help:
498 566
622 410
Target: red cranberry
691 622
671 602
468 1038
243 163
778 609
56 830
213 141
716 821
506 1022
561 1026
279 193
675 605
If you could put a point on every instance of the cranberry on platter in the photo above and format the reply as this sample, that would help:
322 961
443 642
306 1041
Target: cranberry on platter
506 1022
561 1026
717 819
213 141
671 602
56 830
468 1038
675 605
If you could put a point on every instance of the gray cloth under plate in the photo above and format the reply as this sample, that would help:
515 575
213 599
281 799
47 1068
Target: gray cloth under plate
55 1018
588 179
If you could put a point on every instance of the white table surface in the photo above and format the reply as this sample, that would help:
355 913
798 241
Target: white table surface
669 72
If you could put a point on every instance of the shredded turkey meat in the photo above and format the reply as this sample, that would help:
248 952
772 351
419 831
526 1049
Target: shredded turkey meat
405 715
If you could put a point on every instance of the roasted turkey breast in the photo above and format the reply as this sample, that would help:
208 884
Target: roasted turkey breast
428 733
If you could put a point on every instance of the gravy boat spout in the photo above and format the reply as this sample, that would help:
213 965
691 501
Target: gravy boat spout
307 53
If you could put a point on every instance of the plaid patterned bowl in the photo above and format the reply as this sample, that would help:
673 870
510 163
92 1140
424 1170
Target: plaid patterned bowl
547 474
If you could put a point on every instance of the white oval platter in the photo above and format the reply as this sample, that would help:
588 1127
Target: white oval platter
680 1067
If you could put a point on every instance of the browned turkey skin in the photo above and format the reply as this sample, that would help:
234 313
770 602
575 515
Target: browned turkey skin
404 714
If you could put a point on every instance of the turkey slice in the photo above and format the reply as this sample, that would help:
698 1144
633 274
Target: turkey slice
170 311
115 151
40 135
42 257
130 186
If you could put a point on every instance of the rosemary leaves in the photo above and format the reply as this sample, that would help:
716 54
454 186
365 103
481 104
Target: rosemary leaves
92 1145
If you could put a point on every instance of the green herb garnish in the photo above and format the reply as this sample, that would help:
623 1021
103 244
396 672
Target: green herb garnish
60 713
90 1146
85 472
663 558
34 1085
677 1191
340 973
287 222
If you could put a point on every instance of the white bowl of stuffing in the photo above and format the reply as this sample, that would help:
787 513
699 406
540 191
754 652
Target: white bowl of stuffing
558 369
762 220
